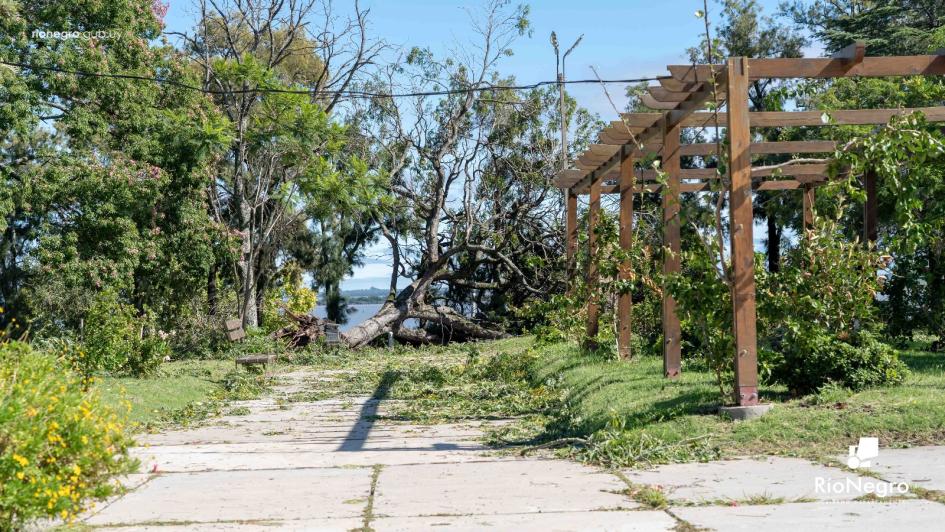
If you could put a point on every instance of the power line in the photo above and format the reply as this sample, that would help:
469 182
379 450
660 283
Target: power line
315 92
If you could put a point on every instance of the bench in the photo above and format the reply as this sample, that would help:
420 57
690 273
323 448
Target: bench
255 360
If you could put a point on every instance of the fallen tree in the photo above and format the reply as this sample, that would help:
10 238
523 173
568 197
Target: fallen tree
476 222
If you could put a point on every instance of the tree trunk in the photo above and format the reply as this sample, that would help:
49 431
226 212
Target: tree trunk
382 322
334 303
249 310
212 290
774 245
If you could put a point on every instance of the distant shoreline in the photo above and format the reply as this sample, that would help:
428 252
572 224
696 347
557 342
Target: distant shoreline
365 300
363 296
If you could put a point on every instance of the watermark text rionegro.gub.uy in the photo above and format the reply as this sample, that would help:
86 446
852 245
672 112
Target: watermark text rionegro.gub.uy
66 35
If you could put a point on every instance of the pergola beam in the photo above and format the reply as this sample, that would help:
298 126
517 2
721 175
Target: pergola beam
672 249
742 244
686 107
662 94
648 175
781 184
821 68
845 117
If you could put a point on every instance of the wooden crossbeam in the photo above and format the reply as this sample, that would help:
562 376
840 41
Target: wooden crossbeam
651 102
603 149
671 84
757 148
685 107
801 171
607 137
831 67
781 184
845 117
662 94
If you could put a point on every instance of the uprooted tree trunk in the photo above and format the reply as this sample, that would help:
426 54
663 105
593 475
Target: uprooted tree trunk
409 305
305 330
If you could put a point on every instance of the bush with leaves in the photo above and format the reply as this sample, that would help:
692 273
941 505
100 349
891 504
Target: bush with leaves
812 358
565 316
117 339
60 445
704 306
818 315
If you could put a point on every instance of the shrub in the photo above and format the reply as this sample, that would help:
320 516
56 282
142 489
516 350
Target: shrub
814 358
563 317
196 335
114 339
818 314
704 306
257 342
59 444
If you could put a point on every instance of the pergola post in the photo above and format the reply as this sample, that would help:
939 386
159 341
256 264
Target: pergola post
570 230
742 243
672 333
624 300
593 216
808 207
870 227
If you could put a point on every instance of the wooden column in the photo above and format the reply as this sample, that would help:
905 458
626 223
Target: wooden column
742 244
672 334
870 227
808 191
570 229
624 301
593 215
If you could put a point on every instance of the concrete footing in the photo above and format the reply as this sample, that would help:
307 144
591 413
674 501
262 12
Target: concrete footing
742 413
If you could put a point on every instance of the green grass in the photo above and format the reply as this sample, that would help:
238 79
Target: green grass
631 401
179 393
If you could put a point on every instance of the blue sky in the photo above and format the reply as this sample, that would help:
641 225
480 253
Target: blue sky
622 39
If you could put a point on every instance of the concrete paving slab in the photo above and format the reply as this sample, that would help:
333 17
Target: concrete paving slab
919 466
632 521
301 525
788 478
836 516
355 435
496 487
242 496
235 457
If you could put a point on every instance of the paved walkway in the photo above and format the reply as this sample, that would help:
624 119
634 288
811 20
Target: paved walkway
327 465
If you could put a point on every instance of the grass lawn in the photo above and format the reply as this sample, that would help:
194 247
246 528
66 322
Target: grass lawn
178 393
646 406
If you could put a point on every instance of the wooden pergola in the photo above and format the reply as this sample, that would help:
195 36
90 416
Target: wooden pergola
608 168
